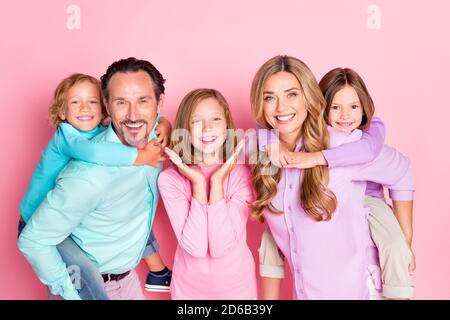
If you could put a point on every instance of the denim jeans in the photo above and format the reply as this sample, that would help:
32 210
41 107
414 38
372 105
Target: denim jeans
84 274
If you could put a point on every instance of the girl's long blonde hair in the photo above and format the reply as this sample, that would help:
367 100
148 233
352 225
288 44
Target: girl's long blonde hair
316 198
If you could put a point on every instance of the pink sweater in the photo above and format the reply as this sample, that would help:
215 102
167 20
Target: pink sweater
212 259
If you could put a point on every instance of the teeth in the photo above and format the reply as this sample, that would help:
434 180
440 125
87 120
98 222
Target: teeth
134 125
345 124
85 118
285 118
208 139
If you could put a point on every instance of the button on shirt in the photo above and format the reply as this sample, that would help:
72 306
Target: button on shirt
108 212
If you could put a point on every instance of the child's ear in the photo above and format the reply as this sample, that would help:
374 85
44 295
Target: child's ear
62 115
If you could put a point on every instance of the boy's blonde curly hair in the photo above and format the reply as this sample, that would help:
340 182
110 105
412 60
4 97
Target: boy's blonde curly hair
59 98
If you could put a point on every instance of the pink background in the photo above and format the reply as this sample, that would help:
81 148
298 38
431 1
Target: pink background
221 44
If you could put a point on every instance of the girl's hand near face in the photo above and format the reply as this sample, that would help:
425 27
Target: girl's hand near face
220 174
218 177
193 174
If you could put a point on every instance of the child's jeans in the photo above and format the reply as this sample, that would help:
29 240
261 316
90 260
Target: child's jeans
84 274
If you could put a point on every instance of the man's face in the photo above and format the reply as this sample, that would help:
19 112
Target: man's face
133 106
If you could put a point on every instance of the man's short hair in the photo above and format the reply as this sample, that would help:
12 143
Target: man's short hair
133 65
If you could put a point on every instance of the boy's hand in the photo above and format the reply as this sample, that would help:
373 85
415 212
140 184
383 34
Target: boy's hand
163 130
151 155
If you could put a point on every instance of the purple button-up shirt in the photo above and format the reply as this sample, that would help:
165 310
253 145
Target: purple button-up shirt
331 259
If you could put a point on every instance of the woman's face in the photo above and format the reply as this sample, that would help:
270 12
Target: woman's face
208 126
284 104
345 111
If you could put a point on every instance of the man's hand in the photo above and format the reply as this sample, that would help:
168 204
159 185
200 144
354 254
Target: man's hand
151 154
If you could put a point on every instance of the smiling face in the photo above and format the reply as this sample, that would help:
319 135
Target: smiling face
284 105
133 106
83 106
346 113
208 126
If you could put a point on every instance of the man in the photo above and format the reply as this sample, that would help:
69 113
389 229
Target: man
108 211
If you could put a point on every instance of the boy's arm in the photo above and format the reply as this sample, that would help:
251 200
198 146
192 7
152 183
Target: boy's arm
104 153
43 179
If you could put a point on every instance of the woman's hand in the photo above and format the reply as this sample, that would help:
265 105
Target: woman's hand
150 155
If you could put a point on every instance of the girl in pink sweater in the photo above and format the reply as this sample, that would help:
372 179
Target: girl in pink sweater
206 195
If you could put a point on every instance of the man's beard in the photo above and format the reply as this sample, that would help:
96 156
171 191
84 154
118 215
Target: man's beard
133 140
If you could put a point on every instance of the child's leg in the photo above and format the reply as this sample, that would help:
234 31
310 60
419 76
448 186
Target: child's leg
393 250
271 266
159 276
87 279
151 255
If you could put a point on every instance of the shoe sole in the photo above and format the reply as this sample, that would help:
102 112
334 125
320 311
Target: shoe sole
154 288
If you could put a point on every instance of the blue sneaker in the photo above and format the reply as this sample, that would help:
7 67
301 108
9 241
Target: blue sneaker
158 282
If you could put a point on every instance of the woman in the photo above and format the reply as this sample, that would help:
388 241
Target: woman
317 216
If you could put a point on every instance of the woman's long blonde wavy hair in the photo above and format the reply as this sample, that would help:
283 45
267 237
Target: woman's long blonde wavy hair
316 198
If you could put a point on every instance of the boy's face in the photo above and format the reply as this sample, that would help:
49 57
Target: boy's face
132 106
83 109
345 111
